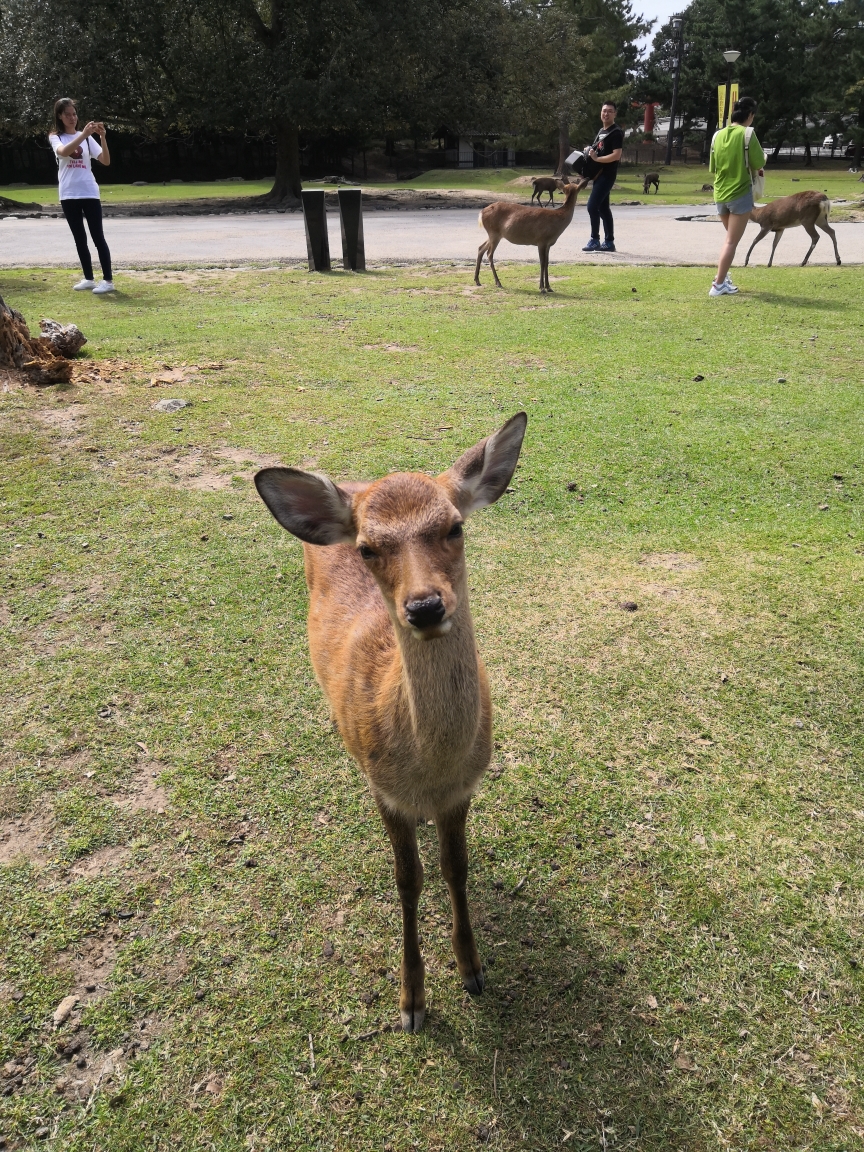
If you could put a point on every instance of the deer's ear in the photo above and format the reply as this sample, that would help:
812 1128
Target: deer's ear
308 505
480 476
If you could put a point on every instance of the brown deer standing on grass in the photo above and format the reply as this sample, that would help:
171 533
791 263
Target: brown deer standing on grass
392 645
651 178
808 210
550 184
521 224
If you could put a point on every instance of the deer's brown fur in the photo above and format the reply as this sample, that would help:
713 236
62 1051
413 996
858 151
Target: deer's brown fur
808 210
392 644
522 224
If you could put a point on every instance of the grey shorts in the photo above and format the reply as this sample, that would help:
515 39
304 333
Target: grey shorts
739 207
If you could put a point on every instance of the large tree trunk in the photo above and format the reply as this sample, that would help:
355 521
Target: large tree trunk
563 144
859 143
286 183
777 148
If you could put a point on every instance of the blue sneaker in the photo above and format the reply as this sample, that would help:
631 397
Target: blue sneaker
592 246
607 246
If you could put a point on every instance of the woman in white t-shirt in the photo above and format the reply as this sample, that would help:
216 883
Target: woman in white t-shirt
79 192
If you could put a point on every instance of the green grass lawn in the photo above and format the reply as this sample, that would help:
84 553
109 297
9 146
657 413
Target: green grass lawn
681 184
679 786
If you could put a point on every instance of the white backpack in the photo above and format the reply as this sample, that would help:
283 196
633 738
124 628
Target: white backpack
757 182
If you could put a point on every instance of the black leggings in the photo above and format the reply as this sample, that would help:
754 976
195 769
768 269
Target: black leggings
76 212
598 206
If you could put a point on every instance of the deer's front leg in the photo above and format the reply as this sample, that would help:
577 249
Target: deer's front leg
409 881
454 868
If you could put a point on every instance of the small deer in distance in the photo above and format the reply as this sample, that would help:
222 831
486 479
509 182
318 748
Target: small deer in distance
808 210
651 178
550 184
522 224
393 648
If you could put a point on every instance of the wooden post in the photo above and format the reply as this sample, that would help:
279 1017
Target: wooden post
317 239
351 217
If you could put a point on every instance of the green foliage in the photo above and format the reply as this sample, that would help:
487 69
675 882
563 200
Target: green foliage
798 59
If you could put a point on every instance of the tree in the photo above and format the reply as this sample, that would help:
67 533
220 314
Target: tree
261 66
795 60
562 57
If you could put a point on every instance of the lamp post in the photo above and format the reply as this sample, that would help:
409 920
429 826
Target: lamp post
676 32
730 57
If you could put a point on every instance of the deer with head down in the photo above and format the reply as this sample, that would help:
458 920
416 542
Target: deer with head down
521 224
392 645
550 184
808 210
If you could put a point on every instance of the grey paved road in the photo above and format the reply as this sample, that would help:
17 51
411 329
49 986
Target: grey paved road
643 235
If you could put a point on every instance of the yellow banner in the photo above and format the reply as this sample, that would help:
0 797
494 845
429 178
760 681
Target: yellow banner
721 103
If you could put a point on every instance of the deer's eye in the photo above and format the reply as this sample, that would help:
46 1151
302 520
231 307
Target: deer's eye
455 532
366 552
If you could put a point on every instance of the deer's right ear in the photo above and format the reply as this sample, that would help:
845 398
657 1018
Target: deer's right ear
309 505
482 474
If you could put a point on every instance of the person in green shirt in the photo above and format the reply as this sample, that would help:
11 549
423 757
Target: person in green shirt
733 193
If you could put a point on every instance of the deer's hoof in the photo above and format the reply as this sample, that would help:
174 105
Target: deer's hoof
475 984
412 1019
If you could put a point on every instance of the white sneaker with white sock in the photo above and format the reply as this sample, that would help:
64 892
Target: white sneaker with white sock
84 285
105 286
724 289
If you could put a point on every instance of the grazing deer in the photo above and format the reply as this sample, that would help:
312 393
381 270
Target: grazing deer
550 184
392 645
651 178
522 224
807 209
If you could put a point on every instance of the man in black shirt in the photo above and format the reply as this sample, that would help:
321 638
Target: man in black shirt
606 151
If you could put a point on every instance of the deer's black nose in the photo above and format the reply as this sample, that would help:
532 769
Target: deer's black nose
424 613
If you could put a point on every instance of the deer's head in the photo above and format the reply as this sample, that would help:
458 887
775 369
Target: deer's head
406 527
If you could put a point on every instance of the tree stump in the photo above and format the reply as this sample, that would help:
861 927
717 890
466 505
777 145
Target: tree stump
36 358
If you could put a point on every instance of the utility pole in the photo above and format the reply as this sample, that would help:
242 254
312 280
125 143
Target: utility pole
676 31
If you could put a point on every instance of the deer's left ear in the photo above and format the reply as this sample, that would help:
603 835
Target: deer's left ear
481 475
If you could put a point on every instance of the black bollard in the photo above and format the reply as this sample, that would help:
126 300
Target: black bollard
317 240
351 216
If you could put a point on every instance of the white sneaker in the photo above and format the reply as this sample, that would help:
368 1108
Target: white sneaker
724 289
729 282
108 286
84 286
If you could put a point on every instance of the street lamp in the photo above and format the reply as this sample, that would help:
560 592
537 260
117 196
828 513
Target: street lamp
730 57
676 32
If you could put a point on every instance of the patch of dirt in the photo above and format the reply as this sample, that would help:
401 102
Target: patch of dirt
99 863
202 469
25 837
67 419
672 561
145 794
390 347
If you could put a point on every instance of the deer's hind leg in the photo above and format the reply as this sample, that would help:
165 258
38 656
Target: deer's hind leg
481 252
814 237
493 244
761 236
454 869
544 268
826 227
409 880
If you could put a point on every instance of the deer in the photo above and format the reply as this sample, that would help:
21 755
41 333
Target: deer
393 648
808 209
522 224
550 184
651 178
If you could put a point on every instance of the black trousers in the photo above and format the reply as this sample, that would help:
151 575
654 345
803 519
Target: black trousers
76 212
598 206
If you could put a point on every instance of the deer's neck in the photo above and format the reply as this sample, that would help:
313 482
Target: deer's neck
440 684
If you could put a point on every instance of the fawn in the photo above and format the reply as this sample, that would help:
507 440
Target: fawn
392 644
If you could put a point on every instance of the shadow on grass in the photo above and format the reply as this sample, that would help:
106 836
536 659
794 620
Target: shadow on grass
558 1044
808 302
